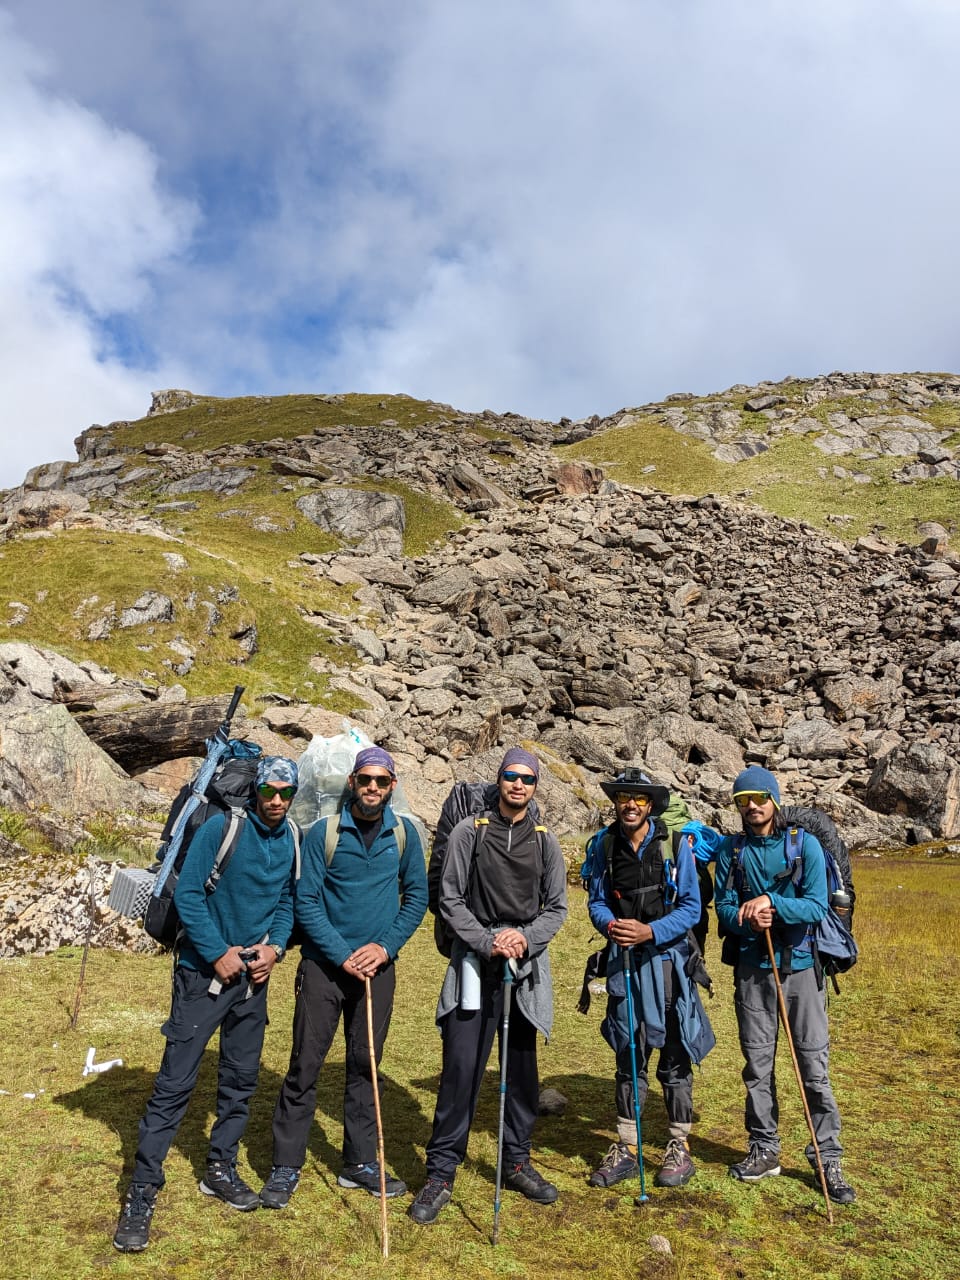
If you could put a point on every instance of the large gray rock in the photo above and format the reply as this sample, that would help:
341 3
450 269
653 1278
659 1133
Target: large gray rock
920 782
353 513
47 760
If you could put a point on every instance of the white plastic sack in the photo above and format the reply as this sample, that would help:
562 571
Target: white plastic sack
324 768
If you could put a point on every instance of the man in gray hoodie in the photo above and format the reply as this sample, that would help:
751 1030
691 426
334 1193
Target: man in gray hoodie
503 895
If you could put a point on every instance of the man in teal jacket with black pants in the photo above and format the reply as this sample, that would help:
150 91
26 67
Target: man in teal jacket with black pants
231 940
757 889
357 908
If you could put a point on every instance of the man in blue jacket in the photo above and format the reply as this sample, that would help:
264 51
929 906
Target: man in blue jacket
357 910
231 940
645 898
757 889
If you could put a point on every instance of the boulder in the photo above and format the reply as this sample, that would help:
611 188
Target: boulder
920 782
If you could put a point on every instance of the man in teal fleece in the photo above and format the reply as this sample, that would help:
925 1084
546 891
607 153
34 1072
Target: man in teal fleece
231 940
357 910
756 890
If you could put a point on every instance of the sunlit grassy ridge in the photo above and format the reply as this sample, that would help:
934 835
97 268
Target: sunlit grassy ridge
791 478
895 1061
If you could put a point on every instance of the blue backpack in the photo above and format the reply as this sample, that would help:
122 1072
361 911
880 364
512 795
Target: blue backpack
831 939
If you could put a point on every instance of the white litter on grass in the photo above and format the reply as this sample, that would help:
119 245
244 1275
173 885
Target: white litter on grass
91 1068
31 1096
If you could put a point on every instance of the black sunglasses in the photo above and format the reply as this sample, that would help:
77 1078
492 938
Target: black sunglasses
267 792
511 775
364 780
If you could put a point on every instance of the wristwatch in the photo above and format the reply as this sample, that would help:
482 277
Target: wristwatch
281 951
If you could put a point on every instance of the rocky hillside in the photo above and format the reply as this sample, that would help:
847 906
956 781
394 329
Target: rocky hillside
456 582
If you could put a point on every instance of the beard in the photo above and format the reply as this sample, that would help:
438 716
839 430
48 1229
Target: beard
368 812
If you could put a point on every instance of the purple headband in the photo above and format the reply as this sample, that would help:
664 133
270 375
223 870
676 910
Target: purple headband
375 756
517 755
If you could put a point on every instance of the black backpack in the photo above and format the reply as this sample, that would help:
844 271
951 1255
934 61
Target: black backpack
464 800
229 792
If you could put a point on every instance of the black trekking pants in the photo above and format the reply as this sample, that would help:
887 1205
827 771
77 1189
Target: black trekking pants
467 1041
324 995
195 1015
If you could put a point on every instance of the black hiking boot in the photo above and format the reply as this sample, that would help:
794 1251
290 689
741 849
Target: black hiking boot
133 1229
677 1168
223 1181
619 1163
430 1199
279 1187
838 1188
760 1162
367 1176
525 1179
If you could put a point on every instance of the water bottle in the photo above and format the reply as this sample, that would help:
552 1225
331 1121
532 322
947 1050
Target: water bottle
840 901
470 981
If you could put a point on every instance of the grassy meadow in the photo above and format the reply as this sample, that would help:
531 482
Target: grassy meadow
68 1142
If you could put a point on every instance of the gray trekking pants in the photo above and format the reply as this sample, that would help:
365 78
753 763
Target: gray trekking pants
757 1019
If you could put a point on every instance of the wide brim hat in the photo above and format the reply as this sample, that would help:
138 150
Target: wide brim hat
658 795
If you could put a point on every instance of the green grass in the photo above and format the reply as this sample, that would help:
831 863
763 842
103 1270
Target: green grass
791 478
895 1061
215 421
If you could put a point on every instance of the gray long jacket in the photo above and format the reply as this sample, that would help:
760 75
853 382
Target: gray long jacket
533 991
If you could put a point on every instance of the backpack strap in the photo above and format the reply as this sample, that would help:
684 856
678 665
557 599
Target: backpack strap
793 853
232 828
331 837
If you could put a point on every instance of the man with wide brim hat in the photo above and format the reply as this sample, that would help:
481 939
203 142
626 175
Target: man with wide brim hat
644 897
632 782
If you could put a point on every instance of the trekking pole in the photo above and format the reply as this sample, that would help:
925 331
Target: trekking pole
86 944
381 1157
504 1036
628 975
782 1005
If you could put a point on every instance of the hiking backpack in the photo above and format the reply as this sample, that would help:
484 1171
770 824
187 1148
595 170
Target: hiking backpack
831 938
229 792
464 800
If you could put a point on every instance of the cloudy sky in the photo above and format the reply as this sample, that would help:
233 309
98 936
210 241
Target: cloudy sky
557 207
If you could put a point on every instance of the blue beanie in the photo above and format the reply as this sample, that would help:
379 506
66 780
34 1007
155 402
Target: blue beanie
756 778
517 755
278 769
377 757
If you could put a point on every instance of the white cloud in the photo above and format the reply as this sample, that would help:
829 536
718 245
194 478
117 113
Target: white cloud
83 224
557 208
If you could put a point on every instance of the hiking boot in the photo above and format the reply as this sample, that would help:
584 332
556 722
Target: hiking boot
838 1188
133 1229
525 1179
760 1162
677 1168
367 1176
223 1181
430 1199
617 1164
279 1187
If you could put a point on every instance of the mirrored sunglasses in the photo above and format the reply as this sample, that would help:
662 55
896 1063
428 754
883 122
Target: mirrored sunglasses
267 792
511 775
746 798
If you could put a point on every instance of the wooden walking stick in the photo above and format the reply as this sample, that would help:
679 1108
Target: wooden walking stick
381 1158
782 1005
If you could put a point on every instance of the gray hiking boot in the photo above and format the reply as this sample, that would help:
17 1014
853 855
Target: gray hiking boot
223 1181
619 1163
838 1188
279 1187
430 1199
133 1229
677 1168
525 1179
367 1177
760 1162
